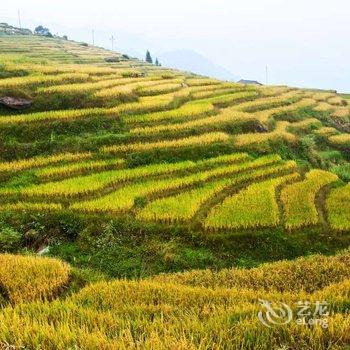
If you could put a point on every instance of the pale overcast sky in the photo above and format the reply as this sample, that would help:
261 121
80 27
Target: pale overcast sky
303 42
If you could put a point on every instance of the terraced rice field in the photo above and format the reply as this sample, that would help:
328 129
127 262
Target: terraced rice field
151 313
148 187
129 138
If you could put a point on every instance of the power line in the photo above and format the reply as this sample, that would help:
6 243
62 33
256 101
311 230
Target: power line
112 39
93 37
19 20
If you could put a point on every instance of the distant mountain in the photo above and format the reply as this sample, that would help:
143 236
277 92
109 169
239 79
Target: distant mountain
192 61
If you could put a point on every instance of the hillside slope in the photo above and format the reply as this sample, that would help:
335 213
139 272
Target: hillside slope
109 138
197 311
126 170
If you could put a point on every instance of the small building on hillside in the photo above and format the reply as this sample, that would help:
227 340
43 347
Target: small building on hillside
249 82
8 29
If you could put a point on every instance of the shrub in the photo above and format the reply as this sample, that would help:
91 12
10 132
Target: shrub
140 202
10 239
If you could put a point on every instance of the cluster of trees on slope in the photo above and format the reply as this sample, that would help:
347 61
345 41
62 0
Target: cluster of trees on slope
150 60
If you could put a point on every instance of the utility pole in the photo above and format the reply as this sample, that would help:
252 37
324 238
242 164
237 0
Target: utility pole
267 75
93 37
19 20
112 39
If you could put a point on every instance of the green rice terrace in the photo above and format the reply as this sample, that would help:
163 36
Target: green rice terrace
163 149
143 146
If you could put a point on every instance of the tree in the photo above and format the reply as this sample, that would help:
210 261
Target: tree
40 30
148 57
65 37
157 62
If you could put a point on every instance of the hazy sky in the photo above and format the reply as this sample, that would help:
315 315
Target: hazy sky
303 42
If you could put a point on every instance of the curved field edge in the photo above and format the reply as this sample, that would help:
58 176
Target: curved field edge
151 313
